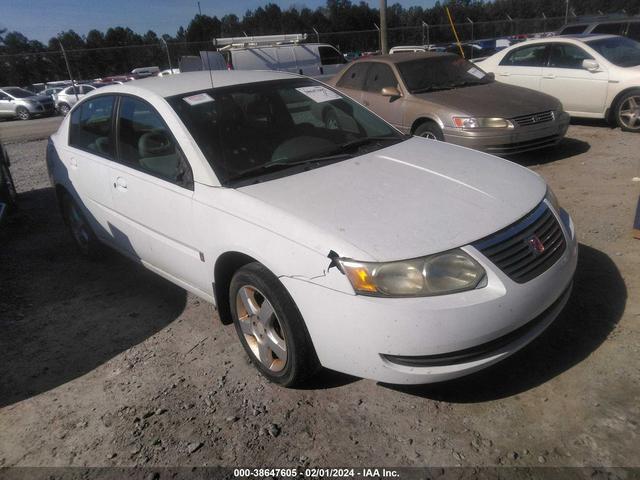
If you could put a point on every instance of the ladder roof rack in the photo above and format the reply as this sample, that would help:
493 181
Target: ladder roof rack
227 43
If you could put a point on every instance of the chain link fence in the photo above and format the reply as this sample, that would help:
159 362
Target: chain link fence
92 63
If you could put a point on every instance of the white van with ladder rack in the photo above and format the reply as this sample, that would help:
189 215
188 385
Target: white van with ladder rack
285 53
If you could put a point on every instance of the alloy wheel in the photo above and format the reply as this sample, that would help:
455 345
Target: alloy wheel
23 114
629 112
79 229
261 328
429 135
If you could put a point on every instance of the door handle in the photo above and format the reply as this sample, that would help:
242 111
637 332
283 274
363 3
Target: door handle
73 162
365 103
120 184
503 74
550 75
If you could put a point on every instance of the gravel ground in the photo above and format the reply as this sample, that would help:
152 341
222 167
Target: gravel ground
105 364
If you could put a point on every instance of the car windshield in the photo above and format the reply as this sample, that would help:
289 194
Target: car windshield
258 131
620 51
18 92
440 72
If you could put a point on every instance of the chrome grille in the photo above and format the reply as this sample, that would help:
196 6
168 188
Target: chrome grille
526 248
534 118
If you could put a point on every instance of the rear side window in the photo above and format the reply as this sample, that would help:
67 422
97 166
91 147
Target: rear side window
91 126
145 142
610 28
354 77
573 29
330 56
529 56
564 55
380 76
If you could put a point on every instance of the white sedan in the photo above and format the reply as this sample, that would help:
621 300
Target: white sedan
345 245
594 76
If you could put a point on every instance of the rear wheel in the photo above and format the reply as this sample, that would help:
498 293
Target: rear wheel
22 113
270 326
7 187
628 112
429 130
63 108
81 231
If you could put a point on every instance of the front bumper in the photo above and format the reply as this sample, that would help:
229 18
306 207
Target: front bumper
365 336
42 109
511 141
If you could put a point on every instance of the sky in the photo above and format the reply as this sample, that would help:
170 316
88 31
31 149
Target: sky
43 19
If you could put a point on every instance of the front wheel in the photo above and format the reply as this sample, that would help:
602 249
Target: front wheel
628 112
429 130
22 113
63 108
270 326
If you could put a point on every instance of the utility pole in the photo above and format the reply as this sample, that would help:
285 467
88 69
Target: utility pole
383 27
425 25
66 61
471 22
168 55
199 9
317 34
566 12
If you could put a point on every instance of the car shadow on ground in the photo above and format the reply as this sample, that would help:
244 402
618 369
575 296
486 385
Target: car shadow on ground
567 148
62 315
592 312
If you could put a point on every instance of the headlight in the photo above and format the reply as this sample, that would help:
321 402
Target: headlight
553 200
448 272
471 122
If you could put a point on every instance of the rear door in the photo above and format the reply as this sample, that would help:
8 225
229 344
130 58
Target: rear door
579 90
152 190
7 108
87 159
523 66
379 76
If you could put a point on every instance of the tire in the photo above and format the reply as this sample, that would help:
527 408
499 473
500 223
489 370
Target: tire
429 130
81 232
22 113
270 326
64 108
7 189
627 113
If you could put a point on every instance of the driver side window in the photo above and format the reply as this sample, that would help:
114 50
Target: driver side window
145 143
380 76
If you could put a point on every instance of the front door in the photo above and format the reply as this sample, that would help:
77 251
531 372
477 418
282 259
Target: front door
391 109
152 190
579 90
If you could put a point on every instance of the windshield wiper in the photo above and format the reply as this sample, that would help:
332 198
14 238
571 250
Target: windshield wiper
282 164
431 89
358 142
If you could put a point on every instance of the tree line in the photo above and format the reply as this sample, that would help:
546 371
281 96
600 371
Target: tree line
350 26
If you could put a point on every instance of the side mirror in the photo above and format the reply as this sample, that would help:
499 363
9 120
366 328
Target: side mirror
392 92
590 65
491 75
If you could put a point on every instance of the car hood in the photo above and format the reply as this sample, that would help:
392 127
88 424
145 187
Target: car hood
411 199
492 100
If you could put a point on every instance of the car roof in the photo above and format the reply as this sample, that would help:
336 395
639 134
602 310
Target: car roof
171 85
581 38
401 57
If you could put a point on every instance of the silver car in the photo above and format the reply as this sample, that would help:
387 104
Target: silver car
67 98
23 104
